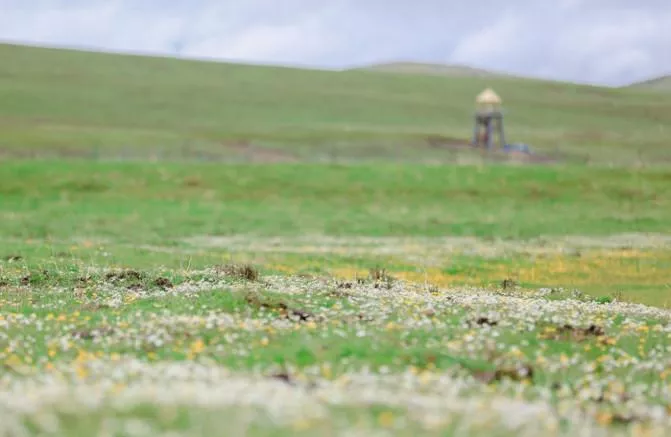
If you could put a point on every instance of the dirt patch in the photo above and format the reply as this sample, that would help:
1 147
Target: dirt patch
485 321
284 377
163 283
586 136
572 333
438 142
278 306
53 151
90 334
442 142
240 271
521 373
253 153
132 280
192 182
124 275
34 278
84 280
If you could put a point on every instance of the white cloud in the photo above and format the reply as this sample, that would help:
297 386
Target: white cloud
609 45
624 45
491 43
603 41
274 43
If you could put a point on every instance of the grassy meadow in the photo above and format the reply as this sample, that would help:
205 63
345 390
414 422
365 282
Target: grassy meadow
192 248
57 103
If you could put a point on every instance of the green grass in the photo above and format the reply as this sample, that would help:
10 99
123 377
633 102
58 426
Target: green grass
485 300
432 69
658 84
160 203
141 215
155 355
79 104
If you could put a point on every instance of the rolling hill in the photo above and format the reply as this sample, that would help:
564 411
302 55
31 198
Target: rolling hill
432 69
662 83
56 102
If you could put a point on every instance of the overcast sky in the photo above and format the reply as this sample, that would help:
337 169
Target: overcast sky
594 41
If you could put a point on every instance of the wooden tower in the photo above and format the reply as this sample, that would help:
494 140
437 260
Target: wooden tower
488 120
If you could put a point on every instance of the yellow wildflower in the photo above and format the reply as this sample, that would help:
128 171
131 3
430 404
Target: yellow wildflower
386 419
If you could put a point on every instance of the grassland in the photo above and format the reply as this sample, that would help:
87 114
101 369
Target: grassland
158 202
430 214
658 84
59 103
205 350
432 69
145 294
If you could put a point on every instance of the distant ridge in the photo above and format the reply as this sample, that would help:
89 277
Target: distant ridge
662 83
432 69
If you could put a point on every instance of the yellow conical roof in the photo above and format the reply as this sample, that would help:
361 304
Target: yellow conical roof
488 97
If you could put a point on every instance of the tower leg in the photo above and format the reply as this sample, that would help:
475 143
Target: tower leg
502 137
489 135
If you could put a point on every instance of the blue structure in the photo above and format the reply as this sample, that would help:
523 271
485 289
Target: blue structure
517 147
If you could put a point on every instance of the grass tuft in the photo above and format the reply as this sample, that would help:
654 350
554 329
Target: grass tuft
245 272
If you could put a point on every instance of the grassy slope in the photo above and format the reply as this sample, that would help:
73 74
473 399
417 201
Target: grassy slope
657 84
435 69
62 221
69 102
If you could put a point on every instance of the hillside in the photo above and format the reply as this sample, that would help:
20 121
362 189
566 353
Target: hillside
432 69
662 83
84 104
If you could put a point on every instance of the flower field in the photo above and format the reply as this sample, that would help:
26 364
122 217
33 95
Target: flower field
192 249
101 350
